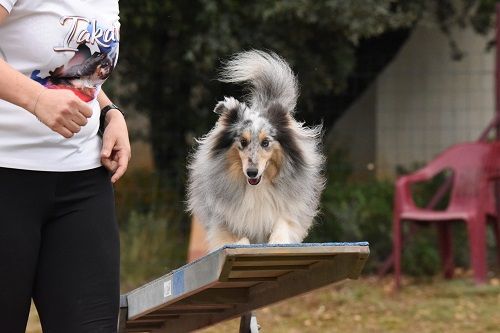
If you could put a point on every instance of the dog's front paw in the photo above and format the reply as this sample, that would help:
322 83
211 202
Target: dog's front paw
243 241
279 239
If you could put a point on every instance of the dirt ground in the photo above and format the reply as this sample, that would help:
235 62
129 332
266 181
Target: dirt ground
371 305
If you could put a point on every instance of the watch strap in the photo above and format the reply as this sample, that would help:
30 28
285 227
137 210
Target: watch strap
111 106
102 117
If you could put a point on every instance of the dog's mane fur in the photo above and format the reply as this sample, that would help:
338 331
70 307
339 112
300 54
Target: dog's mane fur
218 193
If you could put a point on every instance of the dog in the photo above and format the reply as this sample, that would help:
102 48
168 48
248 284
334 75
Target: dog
257 176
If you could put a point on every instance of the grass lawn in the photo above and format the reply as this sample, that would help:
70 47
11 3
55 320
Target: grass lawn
370 305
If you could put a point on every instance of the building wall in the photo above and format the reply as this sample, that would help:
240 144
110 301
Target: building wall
425 101
355 133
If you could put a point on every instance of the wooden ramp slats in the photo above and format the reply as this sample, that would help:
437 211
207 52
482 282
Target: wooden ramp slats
274 267
142 327
233 284
254 279
257 274
198 306
210 296
149 321
282 258
276 263
188 311
237 279
180 310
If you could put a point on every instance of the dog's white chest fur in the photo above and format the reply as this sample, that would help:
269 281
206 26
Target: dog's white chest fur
255 215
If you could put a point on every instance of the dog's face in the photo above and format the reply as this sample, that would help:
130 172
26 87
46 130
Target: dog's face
256 149
250 139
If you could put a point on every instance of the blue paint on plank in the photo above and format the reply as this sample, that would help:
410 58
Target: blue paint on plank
178 282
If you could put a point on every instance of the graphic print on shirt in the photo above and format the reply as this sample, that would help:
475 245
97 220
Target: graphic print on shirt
95 54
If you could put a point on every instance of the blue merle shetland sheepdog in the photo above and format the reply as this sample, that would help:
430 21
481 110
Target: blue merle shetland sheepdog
256 177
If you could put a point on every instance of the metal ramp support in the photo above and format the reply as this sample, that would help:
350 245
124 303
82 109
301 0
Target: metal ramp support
233 281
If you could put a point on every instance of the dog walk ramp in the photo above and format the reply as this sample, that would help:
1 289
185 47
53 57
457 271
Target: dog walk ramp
235 280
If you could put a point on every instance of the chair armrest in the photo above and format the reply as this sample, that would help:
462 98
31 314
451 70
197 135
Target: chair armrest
403 193
418 176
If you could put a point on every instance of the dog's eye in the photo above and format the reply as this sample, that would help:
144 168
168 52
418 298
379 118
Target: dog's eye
243 142
265 143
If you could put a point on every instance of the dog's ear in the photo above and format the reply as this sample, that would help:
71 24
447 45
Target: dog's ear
227 104
220 108
229 110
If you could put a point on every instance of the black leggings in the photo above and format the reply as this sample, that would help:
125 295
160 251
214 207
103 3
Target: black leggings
59 245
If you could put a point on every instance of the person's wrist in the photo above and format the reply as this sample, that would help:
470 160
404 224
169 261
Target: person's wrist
112 114
30 101
110 111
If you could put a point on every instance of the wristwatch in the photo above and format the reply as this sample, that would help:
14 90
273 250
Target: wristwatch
111 106
102 117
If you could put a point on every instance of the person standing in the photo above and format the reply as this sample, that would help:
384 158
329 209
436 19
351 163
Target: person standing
59 241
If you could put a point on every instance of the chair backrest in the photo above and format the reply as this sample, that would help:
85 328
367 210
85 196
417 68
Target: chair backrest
492 166
471 164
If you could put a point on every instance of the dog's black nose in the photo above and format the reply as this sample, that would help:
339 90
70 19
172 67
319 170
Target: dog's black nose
252 172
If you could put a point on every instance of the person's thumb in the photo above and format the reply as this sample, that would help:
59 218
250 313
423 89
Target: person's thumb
107 147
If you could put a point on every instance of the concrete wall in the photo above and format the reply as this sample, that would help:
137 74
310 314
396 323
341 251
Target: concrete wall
425 101
355 132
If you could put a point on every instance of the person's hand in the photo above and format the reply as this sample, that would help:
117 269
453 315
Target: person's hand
116 151
61 111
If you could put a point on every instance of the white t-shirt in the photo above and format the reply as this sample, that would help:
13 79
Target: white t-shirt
62 44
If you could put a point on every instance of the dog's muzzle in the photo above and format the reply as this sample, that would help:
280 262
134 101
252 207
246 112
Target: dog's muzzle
253 181
252 176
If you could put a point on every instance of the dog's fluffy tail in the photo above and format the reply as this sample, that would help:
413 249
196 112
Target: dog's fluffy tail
269 77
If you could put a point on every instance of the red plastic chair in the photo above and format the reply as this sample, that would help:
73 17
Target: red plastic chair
474 166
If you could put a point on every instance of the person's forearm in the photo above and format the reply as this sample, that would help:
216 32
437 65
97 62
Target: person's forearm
103 99
3 14
18 89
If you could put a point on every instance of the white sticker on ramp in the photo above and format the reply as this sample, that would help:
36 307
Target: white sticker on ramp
167 288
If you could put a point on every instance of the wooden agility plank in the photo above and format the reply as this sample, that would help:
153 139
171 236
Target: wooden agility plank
237 279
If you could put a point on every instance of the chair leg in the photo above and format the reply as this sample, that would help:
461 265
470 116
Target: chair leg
496 231
446 249
477 243
386 266
397 247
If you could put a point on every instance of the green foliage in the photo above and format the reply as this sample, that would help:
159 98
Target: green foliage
420 255
169 56
150 247
423 192
170 52
362 211
355 211
152 228
141 191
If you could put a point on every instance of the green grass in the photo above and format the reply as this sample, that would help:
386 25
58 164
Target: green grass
370 305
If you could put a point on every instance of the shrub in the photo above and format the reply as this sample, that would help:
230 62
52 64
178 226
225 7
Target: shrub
354 210
357 211
420 255
150 247
362 211
153 227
